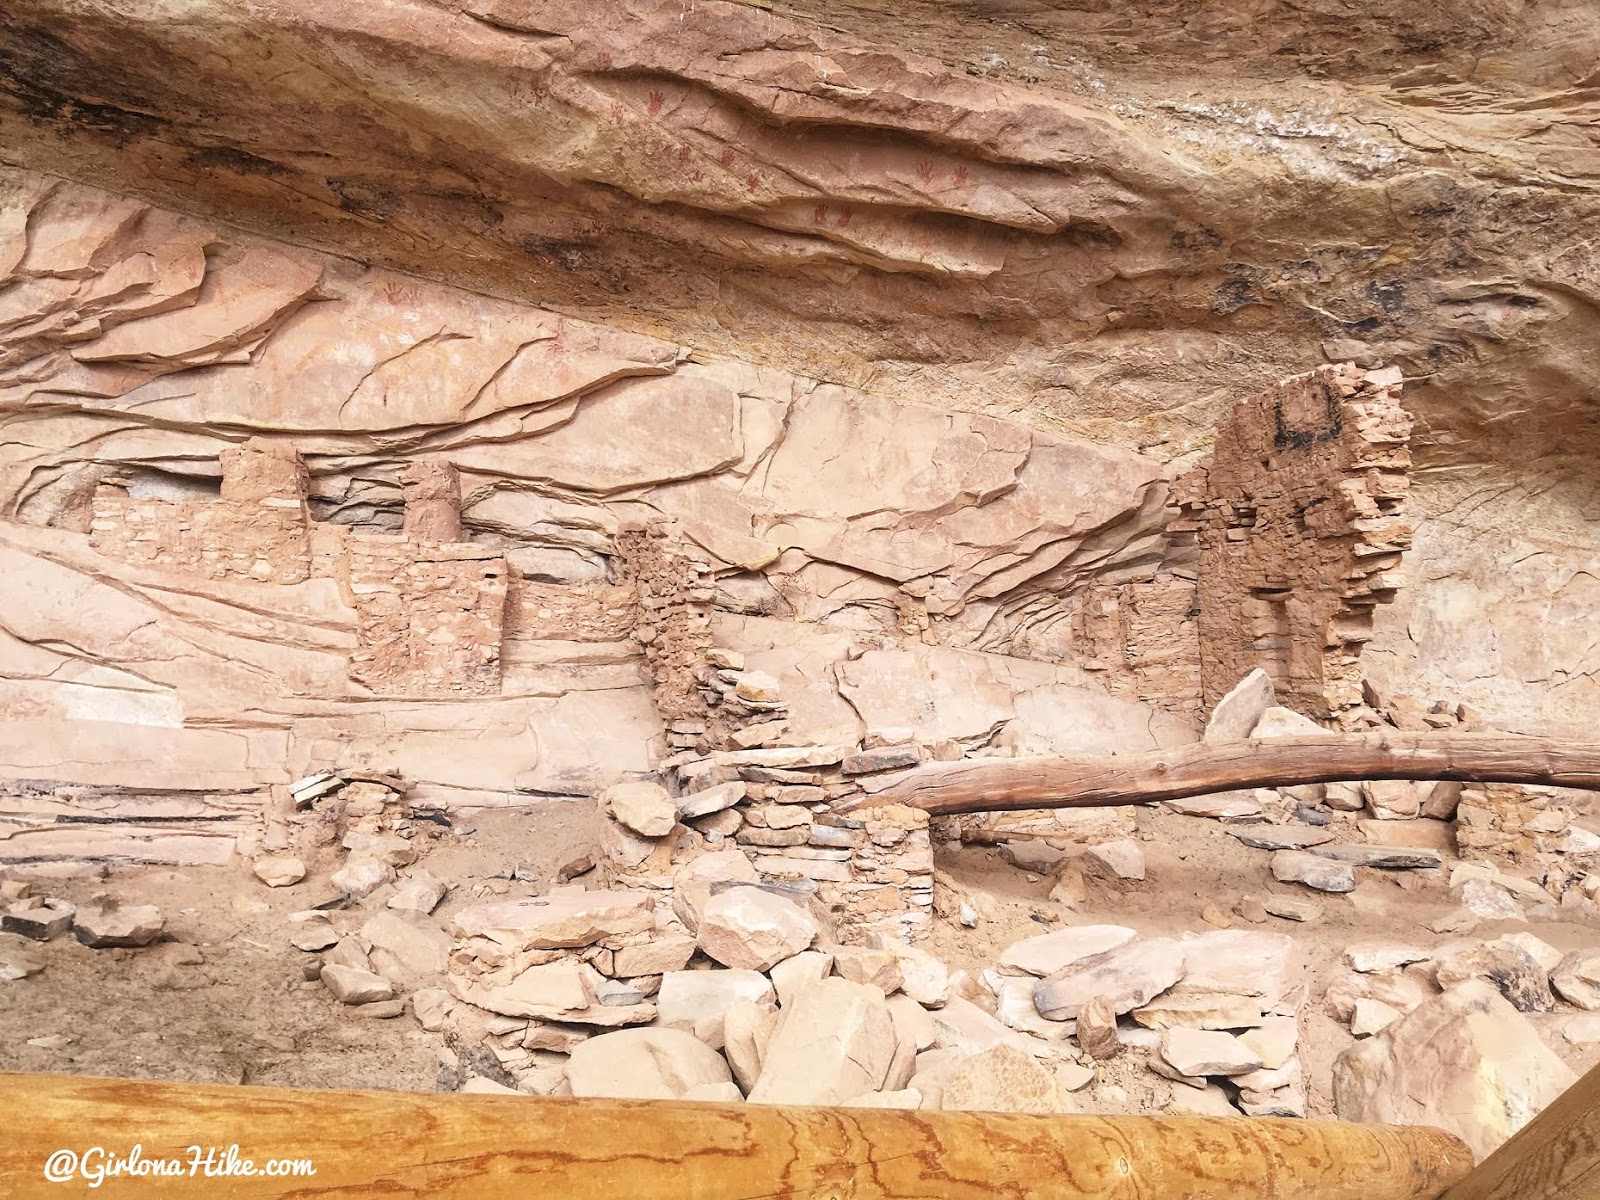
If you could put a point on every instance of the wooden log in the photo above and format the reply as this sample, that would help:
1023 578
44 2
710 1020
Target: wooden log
1556 1155
489 1147
994 784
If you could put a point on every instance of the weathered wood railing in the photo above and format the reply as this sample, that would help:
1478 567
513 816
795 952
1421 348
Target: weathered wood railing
499 1147
997 784
488 1147
1556 1156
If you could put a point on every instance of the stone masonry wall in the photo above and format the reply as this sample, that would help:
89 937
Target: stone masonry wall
1142 636
258 530
738 779
428 616
674 624
1297 520
872 870
703 691
260 540
430 608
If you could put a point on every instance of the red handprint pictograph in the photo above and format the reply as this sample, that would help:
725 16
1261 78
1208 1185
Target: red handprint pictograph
925 172
616 111
819 215
605 60
726 157
843 220
752 181
400 294
656 101
961 177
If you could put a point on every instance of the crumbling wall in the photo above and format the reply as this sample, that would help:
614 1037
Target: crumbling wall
569 612
258 530
872 870
1142 635
432 492
891 891
428 616
430 607
674 625
1297 519
702 691
964 536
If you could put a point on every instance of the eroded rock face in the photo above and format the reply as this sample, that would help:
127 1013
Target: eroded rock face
363 530
286 509
1114 243
1170 189
380 524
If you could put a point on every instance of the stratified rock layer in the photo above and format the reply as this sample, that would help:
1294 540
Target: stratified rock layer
293 514
825 308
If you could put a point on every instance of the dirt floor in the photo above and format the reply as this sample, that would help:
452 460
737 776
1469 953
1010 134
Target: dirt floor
222 998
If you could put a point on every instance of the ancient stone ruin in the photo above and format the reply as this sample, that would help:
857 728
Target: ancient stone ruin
478 557
1297 520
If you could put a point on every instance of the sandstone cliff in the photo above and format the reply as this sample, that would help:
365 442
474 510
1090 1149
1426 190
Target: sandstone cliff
907 320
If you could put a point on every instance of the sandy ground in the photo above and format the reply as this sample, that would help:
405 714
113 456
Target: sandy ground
243 1013
224 998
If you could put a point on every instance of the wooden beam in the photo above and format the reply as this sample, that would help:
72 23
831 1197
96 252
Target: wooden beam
992 784
1556 1156
499 1147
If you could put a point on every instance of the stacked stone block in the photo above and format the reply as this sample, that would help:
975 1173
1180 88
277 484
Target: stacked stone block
430 607
1297 520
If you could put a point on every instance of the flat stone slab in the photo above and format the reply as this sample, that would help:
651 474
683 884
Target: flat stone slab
556 922
1291 908
710 800
1215 1010
1049 953
39 921
1224 806
1199 1052
1324 874
1393 858
1282 837
1237 714
1128 977
108 925
1368 957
